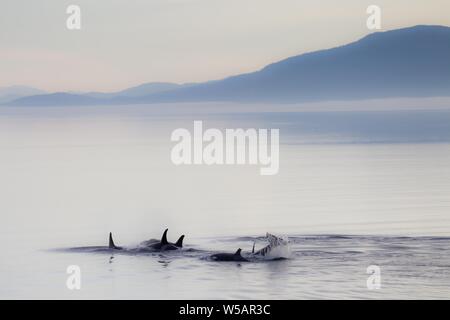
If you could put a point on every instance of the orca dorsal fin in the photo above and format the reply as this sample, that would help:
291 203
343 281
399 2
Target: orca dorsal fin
238 252
164 237
179 242
111 242
253 250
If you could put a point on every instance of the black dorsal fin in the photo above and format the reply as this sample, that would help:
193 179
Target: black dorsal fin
164 237
253 250
238 252
179 243
111 242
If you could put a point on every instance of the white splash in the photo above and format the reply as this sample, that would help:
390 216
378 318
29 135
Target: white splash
278 248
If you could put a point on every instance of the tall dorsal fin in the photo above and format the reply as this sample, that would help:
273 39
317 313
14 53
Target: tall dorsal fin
253 250
111 242
164 237
179 243
238 252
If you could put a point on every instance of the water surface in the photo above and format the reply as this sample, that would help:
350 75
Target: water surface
355 188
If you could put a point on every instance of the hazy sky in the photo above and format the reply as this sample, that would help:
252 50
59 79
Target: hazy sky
127 42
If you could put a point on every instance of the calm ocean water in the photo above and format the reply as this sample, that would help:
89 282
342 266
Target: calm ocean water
354 189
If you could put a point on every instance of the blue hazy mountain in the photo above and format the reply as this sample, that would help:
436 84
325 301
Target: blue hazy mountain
56 99
14 92
138 91
90 98
409 62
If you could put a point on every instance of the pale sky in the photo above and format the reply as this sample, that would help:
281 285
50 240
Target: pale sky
123 43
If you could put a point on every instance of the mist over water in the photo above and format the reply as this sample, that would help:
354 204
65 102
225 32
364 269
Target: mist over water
355 188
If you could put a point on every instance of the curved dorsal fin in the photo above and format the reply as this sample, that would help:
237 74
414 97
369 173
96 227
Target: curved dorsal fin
179 243
238 252
164 237
111 242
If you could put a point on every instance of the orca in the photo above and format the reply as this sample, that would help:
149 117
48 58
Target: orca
179 242
229 256
161 245
277 249
111 243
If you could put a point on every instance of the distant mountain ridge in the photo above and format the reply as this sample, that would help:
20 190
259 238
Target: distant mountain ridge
138 91
91 98
409 62
14 92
